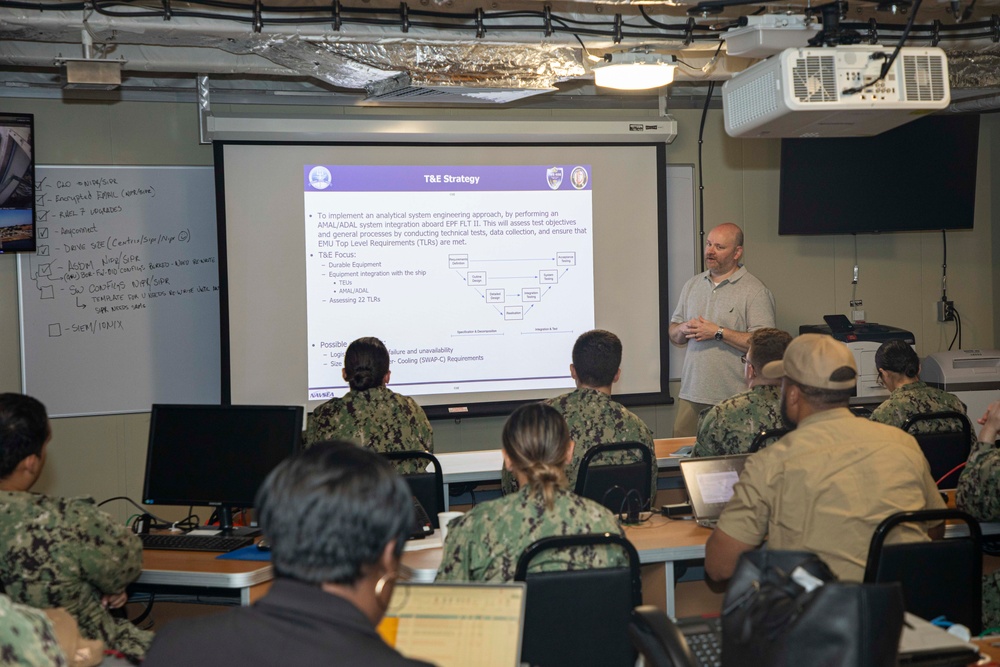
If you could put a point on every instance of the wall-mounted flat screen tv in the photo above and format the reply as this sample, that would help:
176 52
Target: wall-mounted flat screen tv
17 182
917 177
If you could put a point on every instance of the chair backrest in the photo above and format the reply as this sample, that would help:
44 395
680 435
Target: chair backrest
945 448
764 438
428 486
940 577
596 481
579 617
658 640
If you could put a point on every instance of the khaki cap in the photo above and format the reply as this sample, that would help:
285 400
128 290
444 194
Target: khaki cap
813 360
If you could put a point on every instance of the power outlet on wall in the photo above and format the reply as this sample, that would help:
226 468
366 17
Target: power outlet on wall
945 311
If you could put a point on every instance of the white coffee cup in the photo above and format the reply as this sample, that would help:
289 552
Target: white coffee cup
443 519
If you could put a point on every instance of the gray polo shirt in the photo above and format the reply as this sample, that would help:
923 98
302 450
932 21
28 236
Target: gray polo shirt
712 369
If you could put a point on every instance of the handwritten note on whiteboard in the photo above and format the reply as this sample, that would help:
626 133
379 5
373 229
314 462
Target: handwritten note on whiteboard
120 303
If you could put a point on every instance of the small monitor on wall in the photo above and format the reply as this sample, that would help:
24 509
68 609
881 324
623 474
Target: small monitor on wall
17 182
217 455
917 177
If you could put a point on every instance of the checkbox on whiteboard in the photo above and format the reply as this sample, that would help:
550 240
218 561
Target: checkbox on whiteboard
43 251
43 232
55 330
45 270
47 292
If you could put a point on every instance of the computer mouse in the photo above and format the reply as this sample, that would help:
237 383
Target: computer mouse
263 544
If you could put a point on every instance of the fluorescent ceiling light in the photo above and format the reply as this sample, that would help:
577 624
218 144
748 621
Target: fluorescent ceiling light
635 71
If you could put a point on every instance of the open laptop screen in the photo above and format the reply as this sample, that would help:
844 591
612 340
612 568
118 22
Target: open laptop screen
709 483
457 625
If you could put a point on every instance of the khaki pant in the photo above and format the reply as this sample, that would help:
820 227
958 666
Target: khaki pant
686 418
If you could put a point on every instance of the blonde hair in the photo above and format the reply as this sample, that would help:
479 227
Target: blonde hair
536 440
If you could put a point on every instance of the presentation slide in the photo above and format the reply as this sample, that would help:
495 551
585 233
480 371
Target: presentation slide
501 252
477 265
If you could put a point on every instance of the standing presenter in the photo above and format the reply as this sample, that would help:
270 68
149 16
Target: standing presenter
716 313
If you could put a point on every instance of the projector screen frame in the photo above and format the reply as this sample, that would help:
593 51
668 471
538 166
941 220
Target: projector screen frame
460 409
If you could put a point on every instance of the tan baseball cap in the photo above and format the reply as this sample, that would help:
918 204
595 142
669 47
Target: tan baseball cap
816 360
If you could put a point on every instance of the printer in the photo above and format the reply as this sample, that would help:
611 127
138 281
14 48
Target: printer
862 339
972 375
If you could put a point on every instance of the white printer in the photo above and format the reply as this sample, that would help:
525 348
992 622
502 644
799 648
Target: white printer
863 339
972 375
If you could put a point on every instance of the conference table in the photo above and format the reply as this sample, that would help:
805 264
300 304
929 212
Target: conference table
200 575
483 465
658 541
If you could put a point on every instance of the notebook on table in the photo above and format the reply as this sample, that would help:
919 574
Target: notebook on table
457 625
709 482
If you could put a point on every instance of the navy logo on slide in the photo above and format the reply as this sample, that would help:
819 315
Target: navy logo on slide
320 177
554 176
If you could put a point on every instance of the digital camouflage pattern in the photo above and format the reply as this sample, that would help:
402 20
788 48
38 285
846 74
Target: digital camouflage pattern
919 398
26 637
731 426
65 552
485 543
978 493
378 419
594 418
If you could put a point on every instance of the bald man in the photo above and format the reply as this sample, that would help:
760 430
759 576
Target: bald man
716 313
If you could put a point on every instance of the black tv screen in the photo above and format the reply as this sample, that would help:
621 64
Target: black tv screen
17 182
917 177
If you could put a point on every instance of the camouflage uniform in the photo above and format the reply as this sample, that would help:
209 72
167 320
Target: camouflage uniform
731 426
978 494
27 637
485 543
918 398
594 418
65 552
376 418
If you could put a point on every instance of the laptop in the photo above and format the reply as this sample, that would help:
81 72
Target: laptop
457 624
709 483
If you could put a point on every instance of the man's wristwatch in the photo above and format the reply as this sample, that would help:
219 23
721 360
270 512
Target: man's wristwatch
718 334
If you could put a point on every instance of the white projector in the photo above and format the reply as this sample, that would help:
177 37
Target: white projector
800 92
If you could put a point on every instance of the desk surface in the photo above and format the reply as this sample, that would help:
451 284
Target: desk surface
484 464
203 570
658 540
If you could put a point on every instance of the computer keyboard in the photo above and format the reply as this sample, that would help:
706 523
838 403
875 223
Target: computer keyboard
193 542
704 637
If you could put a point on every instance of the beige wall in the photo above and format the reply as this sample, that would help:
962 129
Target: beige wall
810 276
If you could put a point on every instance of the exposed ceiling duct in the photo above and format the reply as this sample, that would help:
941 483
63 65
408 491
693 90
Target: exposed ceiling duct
433 51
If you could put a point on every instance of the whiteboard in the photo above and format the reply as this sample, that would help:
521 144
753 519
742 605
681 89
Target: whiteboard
681 245
119 305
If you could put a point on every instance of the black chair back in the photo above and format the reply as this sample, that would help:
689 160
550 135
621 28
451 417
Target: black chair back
428 486
940 577
946 448
597 481
765 437
658 640
579 617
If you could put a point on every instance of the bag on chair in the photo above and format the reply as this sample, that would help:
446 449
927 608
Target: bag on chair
787 609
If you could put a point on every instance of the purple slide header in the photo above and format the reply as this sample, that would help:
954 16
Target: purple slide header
386 178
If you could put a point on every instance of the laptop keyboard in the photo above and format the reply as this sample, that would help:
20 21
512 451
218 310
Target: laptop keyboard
167 541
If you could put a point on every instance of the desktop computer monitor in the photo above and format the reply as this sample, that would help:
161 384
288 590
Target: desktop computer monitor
217 455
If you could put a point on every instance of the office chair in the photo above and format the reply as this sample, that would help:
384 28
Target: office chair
766 436
596 481
940 577
427 486
946 448
579 617
658 640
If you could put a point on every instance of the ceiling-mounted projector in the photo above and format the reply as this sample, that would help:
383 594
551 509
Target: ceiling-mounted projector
804 92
